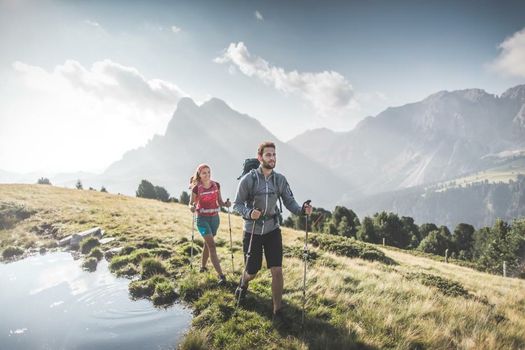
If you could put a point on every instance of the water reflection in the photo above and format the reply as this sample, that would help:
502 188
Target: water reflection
49 302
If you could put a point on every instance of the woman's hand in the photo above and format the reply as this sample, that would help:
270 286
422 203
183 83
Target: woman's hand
192 208
227 204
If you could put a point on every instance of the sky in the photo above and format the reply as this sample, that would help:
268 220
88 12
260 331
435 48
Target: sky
82 82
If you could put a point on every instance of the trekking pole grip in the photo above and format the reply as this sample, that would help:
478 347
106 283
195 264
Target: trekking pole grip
307 202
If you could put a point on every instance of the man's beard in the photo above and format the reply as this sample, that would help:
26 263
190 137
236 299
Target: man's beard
266 165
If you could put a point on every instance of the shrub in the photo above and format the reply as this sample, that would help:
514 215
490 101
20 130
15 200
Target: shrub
137 255
149 243
11 251
118 262
445 286
127 250
96 253
298 253
349 247
87 244
90 264
164 293
11 214
185 249
129 270
152 266
162 252
194 340
43 181
145 288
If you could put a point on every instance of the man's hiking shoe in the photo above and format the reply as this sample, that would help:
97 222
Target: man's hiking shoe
279 320
240 293
222 281
203 269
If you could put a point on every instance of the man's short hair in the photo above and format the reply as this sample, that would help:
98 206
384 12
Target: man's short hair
264 145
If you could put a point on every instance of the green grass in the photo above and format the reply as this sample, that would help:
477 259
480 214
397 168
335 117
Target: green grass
503 173
96 253
11 252
152 266
87 244
359 296
90 264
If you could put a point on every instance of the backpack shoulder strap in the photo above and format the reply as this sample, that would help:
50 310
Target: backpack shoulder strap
255 180
278 190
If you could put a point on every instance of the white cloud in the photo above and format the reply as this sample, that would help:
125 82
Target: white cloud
105 80
328 91
259 16
81 118
175 29
511 59
92 23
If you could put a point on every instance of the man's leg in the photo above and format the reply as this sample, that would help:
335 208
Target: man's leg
253 263
248 278
273 251
277 287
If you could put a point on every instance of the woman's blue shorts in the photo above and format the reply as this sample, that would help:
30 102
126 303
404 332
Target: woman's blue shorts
208 224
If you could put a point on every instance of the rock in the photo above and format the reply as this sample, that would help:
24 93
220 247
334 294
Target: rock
64 241
77 237
112 252
107 240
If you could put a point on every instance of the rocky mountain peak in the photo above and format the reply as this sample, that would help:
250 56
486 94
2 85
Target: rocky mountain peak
186 104
216 104
515 93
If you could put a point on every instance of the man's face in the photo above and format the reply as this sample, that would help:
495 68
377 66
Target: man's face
268 158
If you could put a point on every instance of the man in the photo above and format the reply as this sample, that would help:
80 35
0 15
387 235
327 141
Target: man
256 199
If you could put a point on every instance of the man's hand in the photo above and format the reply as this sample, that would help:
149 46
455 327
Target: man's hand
307 208
255 214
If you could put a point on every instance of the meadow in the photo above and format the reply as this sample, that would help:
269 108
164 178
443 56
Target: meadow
359 296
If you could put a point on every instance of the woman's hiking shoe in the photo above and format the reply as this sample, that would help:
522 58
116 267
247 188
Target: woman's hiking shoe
203 269
222 281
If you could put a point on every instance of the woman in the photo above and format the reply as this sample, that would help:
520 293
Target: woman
206 200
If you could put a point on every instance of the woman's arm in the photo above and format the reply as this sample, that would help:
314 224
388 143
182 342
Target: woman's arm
193 201
226 204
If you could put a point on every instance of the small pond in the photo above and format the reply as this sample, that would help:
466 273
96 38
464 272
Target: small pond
49 302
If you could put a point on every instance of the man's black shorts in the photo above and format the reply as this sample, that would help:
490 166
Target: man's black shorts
272 244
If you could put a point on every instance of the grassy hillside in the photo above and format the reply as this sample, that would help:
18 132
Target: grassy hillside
504 173
359 296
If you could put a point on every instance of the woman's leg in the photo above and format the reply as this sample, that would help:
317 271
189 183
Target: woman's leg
204 228
205 255
210 243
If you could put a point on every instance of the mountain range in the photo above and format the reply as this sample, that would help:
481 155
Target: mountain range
447 135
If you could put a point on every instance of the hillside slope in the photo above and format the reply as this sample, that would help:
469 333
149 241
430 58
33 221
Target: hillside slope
397 301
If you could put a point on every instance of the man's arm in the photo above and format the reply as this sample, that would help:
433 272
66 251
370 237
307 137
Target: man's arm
288 199
239 205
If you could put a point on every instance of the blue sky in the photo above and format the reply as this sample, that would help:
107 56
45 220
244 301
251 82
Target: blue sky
74 71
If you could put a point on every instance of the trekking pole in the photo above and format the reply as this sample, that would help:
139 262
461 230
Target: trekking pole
192 239
246 260
231 241
305 257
